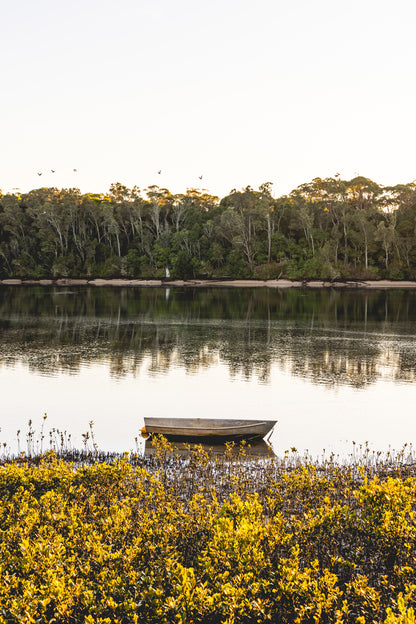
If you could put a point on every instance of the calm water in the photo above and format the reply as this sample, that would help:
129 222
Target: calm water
331 367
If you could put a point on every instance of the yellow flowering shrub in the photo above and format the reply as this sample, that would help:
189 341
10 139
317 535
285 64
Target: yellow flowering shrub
204 542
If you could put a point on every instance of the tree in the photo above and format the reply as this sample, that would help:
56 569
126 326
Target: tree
385 234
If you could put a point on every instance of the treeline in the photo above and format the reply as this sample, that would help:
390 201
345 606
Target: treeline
326 229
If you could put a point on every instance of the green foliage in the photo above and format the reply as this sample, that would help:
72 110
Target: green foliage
182 266
325 229
134 262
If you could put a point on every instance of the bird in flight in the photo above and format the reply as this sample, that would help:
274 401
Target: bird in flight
52 170
160 171
39 174
200 177
75 170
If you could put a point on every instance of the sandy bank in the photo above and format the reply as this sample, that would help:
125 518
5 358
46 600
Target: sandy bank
281 283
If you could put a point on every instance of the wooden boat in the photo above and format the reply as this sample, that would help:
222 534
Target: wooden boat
208 428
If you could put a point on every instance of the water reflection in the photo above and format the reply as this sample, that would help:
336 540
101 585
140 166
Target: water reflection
255 449
328 337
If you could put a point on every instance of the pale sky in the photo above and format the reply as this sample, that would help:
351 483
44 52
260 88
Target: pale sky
241 92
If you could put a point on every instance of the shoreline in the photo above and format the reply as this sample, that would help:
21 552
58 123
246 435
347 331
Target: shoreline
196 283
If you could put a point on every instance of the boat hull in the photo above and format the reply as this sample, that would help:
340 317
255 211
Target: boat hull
208 428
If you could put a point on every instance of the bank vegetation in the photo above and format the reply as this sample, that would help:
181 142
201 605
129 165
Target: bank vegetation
330 229
204 539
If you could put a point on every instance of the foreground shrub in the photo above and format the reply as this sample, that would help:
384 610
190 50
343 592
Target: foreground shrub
201 541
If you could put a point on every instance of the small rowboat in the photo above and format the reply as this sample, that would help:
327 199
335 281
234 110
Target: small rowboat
208 428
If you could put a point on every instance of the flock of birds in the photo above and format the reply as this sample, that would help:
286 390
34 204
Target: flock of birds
54 171
160 171
76 170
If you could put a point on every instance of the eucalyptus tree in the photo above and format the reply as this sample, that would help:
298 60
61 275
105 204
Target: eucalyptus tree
301 225
329 197
19 244
120 197
179 206
363 226
51 219
242 221
399 207
363 193
267 212
13 217
385 234
160 207
138 212
12 228
404 198
79 225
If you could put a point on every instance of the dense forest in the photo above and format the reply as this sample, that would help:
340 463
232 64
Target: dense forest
327 229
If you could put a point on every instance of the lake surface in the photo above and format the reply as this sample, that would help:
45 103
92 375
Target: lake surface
333 367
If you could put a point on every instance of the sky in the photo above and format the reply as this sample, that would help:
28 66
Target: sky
240 92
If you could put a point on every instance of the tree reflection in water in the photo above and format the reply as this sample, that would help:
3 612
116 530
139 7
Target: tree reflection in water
328 337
